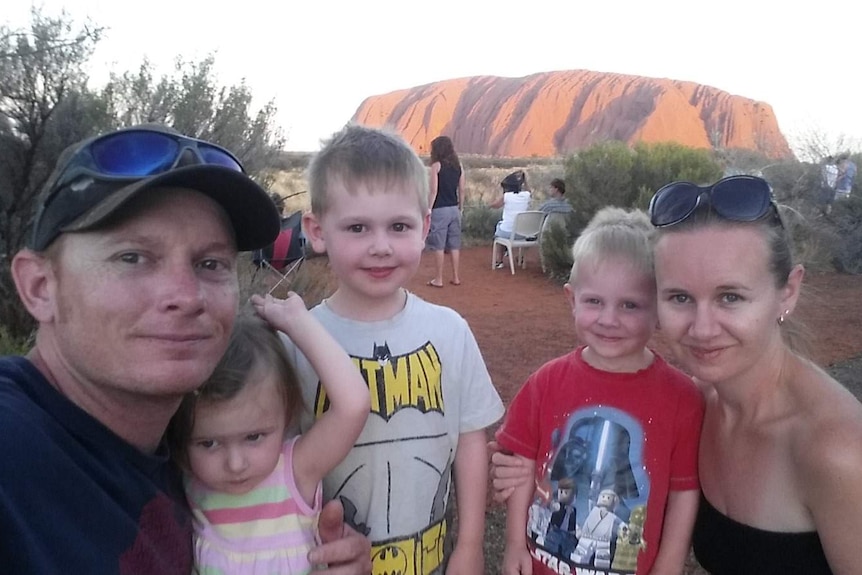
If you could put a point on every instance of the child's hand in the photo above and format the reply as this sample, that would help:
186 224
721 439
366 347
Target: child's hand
466 560
517 561
287 315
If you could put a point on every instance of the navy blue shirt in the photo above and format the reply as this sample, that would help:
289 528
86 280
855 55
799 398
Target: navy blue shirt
75 497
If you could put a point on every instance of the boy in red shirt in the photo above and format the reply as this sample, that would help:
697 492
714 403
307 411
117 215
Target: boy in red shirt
611 422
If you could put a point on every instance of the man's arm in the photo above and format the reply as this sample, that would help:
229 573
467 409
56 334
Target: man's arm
342 551
508 472
679 516
516 559
471 488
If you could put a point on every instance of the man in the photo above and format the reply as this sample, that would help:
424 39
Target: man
556 203
131 274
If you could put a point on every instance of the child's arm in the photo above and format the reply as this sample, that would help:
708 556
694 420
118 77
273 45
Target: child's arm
332 436
471 488
517 560
679 517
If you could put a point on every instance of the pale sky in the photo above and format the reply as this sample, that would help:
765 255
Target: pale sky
318 60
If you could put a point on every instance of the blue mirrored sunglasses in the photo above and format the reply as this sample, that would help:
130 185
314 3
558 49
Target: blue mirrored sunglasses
735 198
141 153
116 159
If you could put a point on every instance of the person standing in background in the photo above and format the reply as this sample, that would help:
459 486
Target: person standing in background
846 175
446 199
828 179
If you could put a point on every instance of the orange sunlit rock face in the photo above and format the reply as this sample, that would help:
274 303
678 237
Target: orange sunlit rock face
553 113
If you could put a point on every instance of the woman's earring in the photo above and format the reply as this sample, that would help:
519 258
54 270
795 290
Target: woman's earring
783 316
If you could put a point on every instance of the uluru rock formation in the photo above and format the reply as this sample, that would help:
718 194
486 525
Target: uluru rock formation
554 113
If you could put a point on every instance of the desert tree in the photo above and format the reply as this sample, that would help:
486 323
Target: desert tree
814 144
191 100
44 104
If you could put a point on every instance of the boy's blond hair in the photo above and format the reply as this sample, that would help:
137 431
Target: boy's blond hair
615 233
359 154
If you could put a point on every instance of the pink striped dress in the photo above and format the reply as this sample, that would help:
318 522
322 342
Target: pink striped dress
268 530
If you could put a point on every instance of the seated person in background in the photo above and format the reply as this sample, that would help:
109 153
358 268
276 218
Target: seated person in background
515 199
556 203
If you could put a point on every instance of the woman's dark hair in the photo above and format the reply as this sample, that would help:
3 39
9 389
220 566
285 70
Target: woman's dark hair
254 348
559 184
514 182
443 151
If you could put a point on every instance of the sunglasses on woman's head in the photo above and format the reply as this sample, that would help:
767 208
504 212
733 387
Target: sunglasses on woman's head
735 198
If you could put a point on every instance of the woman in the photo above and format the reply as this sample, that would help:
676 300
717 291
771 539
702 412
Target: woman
781 446
515 199
447 197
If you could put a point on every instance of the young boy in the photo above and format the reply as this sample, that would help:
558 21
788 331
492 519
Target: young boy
431 395
610 425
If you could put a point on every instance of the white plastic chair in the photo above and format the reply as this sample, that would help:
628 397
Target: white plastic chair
528 225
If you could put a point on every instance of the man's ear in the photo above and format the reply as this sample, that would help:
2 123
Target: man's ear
314 232
35 281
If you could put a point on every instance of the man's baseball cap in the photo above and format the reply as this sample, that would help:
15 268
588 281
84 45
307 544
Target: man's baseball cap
95 177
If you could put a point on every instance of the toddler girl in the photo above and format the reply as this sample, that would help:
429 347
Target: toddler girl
254 491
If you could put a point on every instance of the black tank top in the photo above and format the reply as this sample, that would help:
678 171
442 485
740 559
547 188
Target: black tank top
726 547
447 186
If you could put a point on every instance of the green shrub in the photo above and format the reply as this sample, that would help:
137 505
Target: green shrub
478 222
557 243
10 345
657 164
796 184
613 174
599 176
847 221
